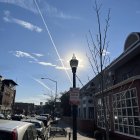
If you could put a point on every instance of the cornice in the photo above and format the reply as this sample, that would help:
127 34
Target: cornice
131 79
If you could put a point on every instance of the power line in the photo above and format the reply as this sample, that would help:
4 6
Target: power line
79 80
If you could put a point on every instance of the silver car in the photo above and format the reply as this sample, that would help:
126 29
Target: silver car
2 116
39 125
16 130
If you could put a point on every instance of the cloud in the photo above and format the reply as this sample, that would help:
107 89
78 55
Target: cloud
26 4
20 54
50 64
45 7
46 64
62 68
27 25
38 54
53 11
22 23
7 13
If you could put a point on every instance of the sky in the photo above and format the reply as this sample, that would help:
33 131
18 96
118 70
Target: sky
39 37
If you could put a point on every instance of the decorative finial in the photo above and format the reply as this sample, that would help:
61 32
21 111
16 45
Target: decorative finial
73 57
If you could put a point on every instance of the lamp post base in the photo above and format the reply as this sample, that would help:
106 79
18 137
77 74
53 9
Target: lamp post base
74 122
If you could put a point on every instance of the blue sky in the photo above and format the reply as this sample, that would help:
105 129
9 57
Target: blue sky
38 38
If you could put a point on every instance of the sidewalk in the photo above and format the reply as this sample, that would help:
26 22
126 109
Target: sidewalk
80 136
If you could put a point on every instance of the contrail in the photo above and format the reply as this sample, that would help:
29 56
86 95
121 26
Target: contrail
44 85
52 40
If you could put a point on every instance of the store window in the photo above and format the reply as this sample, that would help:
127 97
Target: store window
126 112
100 112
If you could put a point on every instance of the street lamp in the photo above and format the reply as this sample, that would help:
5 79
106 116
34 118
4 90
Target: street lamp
55 89
74 64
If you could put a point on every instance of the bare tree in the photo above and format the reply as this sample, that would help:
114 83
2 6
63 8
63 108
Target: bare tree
52 99
98 57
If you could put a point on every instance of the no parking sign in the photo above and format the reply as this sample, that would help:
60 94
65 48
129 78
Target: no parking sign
74 96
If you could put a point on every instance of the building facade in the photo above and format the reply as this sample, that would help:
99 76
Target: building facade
121 93
7 95
24 108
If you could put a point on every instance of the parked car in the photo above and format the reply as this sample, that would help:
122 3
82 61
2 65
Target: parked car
15 130
32 115
2 116
16 117
39 125
46 115
43 119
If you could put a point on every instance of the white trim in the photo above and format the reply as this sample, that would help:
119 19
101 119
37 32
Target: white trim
131 79
133 136
138 39
123 55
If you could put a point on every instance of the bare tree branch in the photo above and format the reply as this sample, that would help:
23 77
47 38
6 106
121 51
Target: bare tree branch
91 65
100 57
106 29
94 53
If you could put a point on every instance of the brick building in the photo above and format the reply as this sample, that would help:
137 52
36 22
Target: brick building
24 108
7 95
121 93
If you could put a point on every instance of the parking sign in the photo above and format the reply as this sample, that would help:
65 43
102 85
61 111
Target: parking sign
74 96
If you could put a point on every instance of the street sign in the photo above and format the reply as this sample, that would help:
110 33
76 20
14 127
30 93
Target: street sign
74 96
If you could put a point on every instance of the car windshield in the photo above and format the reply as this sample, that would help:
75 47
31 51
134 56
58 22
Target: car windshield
5 135
37 125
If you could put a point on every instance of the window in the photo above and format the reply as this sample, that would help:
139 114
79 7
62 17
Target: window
79 112
91 112
25 136
127 75
126 112
30 133
5 135
84 113
100 112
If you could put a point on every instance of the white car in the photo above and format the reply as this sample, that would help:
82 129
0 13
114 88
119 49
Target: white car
16 130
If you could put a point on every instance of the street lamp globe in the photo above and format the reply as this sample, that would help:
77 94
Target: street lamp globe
74 63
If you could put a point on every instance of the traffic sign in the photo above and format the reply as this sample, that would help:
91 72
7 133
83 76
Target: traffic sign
74 96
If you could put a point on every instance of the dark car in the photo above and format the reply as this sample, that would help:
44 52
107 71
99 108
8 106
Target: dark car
43 119
46 115
16 117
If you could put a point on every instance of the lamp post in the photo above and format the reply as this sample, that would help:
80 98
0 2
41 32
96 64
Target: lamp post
55 90
74 64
